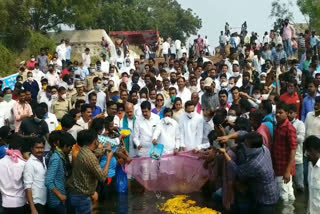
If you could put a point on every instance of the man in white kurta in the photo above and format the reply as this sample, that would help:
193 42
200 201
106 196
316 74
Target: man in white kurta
167 133
191 128
144 128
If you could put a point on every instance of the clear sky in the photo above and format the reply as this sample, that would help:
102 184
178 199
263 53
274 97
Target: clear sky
215 13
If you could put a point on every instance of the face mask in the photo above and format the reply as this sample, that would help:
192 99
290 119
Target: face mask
7 97
46 116
54 96
143 99
115 98
190 115
173 98
105 82
92 70
99 87
274 107
245 82
37 120
128 64
263 82
230 86
20 81
33 59
75 68
30 79
236 74
224 84
111 74
44 87
167 120
70 87
256 96
265 96
153 100
64 96
231 119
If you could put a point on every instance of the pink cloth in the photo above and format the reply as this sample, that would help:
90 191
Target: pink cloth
266 135
181 173
18 111
15 155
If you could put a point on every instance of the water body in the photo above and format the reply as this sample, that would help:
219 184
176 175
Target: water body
139 202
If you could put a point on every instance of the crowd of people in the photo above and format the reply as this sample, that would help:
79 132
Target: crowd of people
253 116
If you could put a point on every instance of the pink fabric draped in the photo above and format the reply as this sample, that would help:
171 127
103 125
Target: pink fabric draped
181 173
14 155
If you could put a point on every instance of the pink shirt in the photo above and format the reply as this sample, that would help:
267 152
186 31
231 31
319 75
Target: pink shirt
18 111
288 32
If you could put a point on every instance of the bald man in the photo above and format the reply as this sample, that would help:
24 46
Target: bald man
128 122
196 101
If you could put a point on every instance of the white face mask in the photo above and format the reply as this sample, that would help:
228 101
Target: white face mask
33 59
64 96
224 84
128 64
54 97
167 120
236 74
70 87
143 99
30 79
105 82
153 100
230 86
256 96
263 82
190 115
265 96
111 74
231 118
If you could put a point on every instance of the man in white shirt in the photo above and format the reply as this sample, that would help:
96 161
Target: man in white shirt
177 43
167 133
11 179
191 128
312 121
144 128
105 65
312 148
38 74
34 178
10 104
183 92
62 51
165 50
86 58
101 96
4 114
86 113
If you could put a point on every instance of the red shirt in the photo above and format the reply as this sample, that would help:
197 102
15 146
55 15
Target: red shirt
64 72
288 99
285 140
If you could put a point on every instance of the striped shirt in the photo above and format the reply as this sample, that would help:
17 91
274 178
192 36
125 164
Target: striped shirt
55 178
86 173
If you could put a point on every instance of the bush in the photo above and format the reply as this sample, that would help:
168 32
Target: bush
7 62
37 41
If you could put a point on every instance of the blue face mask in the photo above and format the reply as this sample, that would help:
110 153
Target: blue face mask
115 98
98 68
46 116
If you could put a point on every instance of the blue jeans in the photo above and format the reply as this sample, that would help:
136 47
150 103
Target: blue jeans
59 209
299 177
81 204
288 47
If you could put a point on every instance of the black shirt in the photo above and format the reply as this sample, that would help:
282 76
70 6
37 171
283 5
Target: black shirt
30 126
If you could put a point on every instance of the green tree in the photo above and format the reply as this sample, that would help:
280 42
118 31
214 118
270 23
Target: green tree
311 10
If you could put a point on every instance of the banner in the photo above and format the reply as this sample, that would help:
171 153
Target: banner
9 81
